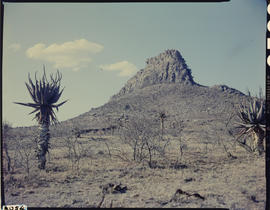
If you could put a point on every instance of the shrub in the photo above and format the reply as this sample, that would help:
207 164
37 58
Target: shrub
75 149
145 138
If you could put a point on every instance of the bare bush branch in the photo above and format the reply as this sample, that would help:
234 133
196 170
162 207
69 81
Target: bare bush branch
144 136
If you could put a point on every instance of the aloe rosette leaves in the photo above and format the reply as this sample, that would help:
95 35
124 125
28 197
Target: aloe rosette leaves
252 122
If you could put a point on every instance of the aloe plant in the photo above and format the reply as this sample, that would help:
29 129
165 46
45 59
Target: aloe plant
252 122
44 94
162 117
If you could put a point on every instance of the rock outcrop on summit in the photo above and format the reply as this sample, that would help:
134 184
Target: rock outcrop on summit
167 67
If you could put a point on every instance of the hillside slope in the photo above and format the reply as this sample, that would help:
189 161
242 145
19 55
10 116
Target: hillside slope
165 84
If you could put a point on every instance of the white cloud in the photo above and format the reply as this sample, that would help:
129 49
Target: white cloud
15 47
74 54
125 68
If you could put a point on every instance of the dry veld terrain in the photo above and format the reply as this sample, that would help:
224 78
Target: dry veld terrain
162 141
204 176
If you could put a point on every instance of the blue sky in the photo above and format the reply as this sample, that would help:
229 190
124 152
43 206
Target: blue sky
98 47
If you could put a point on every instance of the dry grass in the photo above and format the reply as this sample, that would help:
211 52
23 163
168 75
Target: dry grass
223 182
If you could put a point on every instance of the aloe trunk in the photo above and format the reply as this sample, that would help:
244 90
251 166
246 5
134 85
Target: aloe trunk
258 137
8 157
162 117
43 144
162 126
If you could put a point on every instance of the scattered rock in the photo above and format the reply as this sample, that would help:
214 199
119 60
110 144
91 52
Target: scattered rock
189 180
100 152
197 195
113 188
163 203
231 156
180 194
196 170
178 166
15 194
76 201
122 174
20 185
253 198
67 206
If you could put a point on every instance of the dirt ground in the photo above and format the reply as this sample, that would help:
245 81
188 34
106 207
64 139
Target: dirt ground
106 176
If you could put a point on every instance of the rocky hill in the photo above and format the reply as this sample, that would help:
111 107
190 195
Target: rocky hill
165 84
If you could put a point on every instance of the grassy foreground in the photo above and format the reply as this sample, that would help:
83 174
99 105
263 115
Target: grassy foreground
104 175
